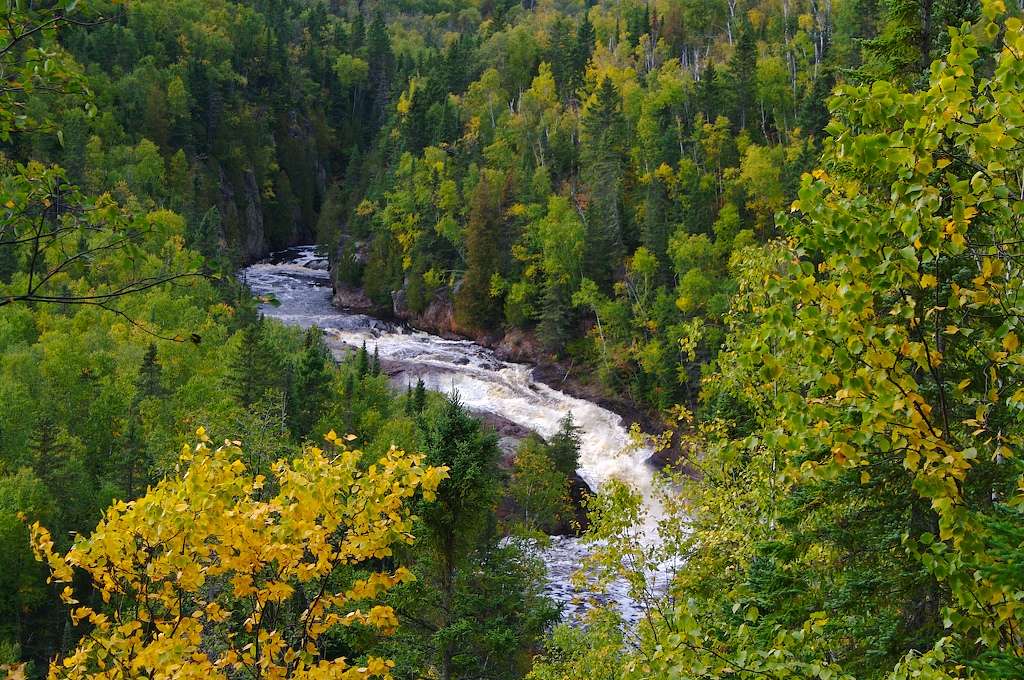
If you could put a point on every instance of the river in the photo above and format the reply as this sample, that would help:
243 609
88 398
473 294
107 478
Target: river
299 279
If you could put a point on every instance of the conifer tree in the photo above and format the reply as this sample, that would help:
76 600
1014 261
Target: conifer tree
42 444
709 93
419 397
147 386
150 373
375 364
460 515
564 445
254 368
408 400
658 225
557 316
381 62
561 56
474 307
743 69
582 50
813 114
603 160
362 361
309 388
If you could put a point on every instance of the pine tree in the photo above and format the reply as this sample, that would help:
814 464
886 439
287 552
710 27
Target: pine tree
564 445
148 385
375 365
743 69
582 50
42 445
381 62
709 94
309 388
459 516
415 129
150 374
657 226
419 396
557 316
204 234
638 23
408 400
474 307
254 368
603 160
358 34
362 361
561 57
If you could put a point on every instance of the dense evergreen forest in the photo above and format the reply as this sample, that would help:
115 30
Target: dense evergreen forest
791 230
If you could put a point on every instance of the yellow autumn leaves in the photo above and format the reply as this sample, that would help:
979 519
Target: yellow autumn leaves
218 572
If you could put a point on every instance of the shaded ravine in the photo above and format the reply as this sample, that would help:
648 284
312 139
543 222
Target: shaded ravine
299 280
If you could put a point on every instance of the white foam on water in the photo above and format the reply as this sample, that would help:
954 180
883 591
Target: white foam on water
301 284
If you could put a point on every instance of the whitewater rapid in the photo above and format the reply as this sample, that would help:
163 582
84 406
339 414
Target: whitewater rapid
299 280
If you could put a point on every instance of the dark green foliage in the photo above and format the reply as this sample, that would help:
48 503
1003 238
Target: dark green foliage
375 363
310 380
255 367
419 397
813 115
580 54
454 438
658 224
475 607
148 383
564 446
603 168
362 361
557 317
709 93
743 72
381 61
474 307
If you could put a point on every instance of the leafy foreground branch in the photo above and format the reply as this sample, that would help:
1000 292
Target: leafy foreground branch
219 573
857 511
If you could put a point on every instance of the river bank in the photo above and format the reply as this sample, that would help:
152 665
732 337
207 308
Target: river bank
513 345
513 396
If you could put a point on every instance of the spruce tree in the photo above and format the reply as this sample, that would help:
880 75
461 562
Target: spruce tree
813 115
603 160
357 36
375 364
743 69
309 388
564 445
254 368
474 307
148 385
408 400
561 57
381 63
419 396
150 373
42 445
459 517
709 94
362 361
557 316
658 224
582 50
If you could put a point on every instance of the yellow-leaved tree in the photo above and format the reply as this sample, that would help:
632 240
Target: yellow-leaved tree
218 572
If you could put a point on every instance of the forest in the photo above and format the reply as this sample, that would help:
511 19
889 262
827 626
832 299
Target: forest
784 235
